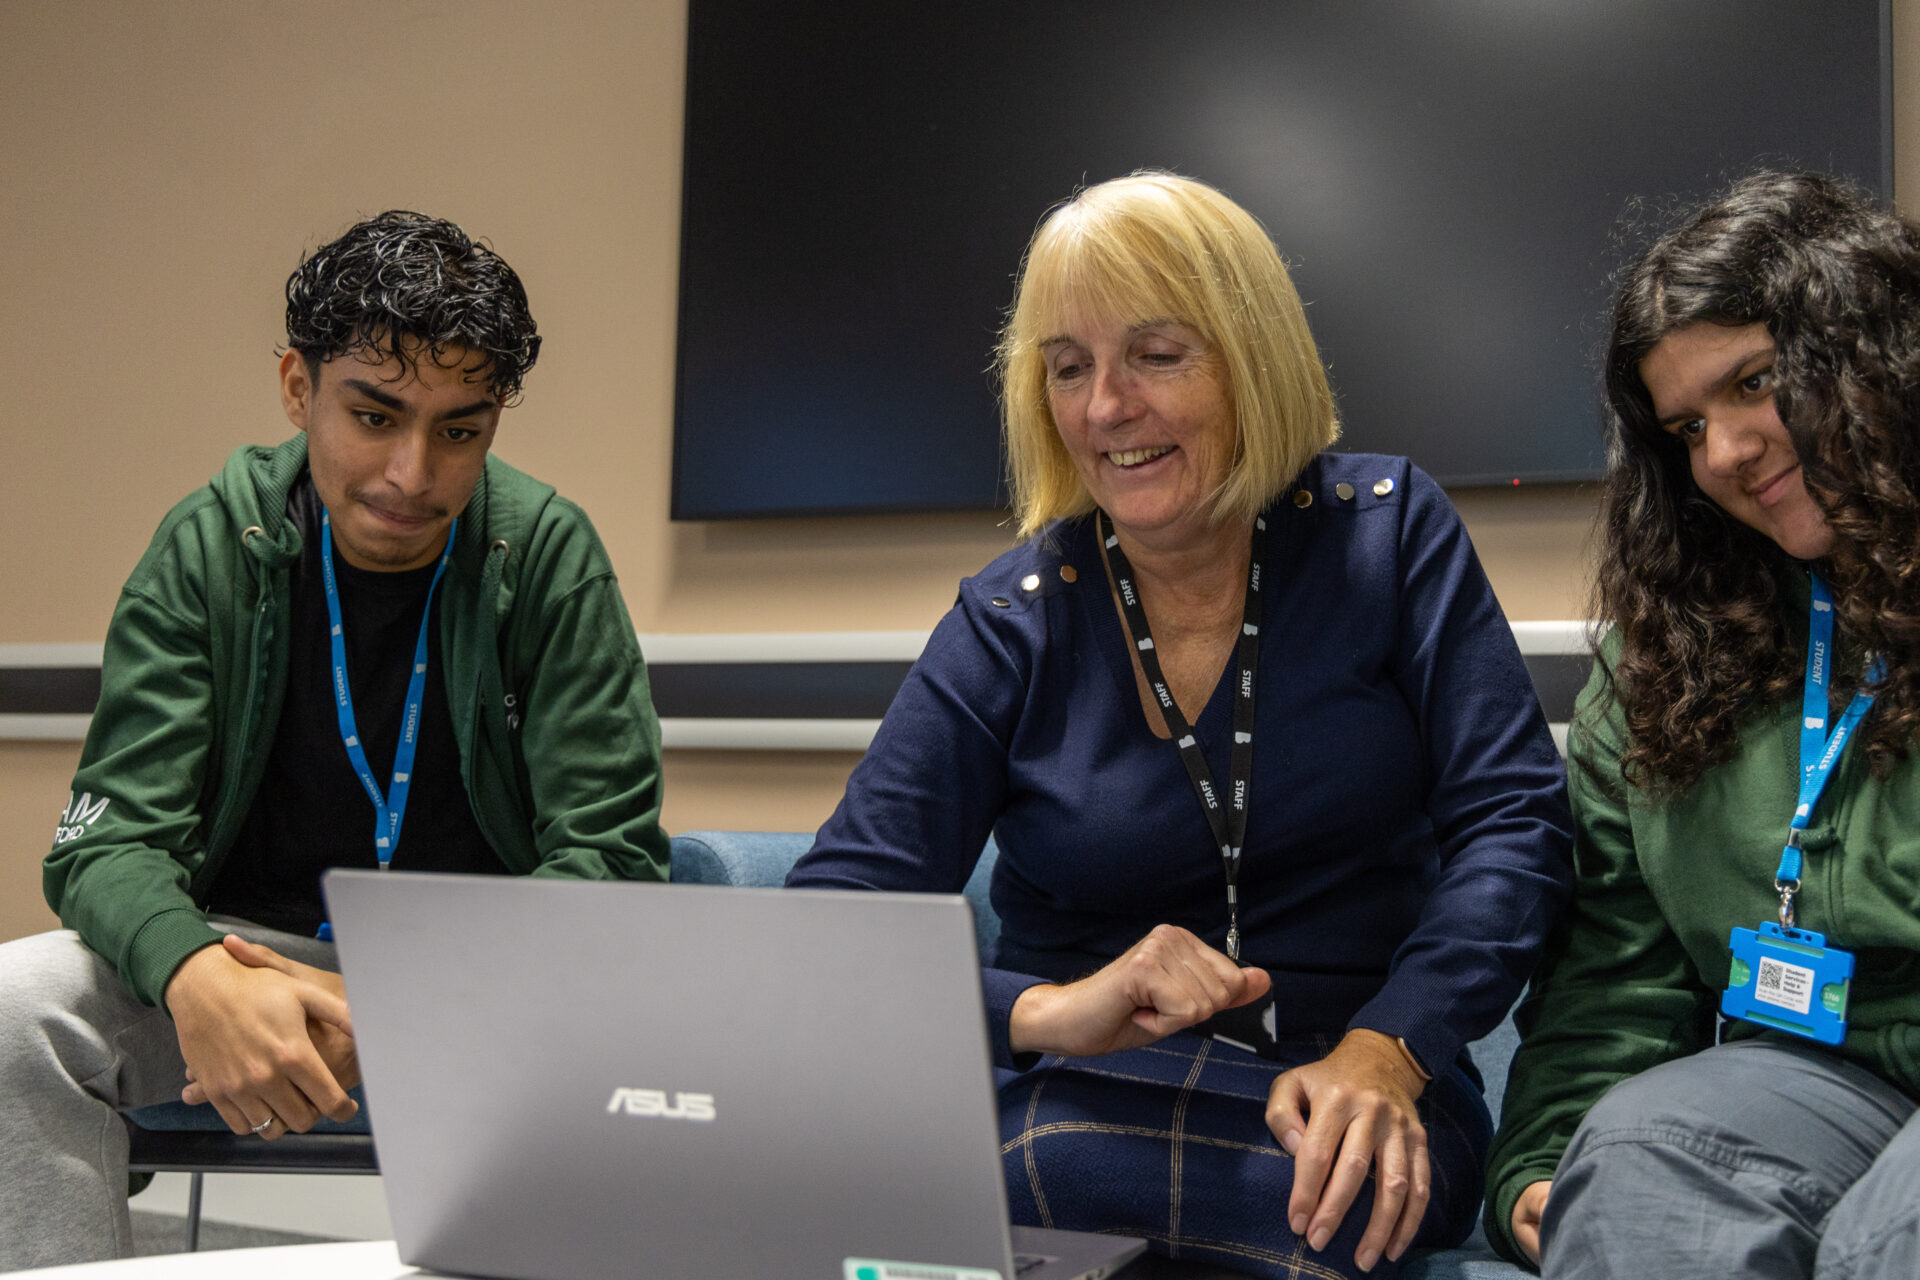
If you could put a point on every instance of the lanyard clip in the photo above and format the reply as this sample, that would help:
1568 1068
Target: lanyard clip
1787 889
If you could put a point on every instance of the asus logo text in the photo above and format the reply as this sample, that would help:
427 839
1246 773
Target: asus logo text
653 1102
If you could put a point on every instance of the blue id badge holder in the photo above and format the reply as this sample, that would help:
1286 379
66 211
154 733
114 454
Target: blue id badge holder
1790 980
1782 977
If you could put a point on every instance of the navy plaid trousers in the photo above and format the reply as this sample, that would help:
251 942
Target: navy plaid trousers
1170 1142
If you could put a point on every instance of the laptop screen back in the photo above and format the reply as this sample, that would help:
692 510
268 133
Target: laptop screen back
576 1080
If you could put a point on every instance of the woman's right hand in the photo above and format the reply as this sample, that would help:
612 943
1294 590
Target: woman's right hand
1166 982
1526 1219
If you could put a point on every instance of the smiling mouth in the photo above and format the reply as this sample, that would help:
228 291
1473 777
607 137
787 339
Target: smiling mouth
1134 457
1772 490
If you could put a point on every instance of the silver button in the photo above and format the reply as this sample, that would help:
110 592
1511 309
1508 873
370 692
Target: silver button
1381 488
1069 574
1345 491
1302 497
1030 583
1003 602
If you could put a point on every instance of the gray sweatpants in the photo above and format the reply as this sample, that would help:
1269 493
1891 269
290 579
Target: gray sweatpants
1764 1158
75 1048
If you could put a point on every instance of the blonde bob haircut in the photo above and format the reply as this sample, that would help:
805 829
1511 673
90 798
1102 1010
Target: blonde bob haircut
1151 247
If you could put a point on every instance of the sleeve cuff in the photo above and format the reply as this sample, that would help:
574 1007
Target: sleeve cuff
1001 987
1431 1044
159 948
1498 1223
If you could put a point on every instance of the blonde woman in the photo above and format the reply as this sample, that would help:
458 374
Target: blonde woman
1281 827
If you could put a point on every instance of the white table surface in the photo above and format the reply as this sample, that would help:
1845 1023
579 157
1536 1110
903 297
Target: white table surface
359 1260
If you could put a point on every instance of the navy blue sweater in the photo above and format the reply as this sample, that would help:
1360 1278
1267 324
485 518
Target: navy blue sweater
1408 842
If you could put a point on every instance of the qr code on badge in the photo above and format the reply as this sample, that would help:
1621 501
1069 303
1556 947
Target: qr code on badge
1786 985
1771 971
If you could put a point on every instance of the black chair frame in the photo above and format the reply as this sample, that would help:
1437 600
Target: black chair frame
198 1152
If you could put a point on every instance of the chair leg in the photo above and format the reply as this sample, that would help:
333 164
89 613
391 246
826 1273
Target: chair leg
193 1211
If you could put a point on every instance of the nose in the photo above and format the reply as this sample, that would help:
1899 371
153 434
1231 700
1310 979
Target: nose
1731 446
410 462
1112 395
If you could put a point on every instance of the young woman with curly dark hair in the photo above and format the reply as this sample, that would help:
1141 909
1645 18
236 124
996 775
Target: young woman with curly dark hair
1761 540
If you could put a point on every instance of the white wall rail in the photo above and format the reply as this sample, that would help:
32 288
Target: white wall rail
761 691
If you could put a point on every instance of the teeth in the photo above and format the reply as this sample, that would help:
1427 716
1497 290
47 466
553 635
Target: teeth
1134 457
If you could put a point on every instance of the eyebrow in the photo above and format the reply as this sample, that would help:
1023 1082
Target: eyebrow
1731 374
1142 327
391 401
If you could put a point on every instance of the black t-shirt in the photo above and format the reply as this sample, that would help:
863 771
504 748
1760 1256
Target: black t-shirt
311 812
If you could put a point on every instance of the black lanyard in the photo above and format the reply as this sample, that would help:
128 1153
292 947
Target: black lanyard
1229 824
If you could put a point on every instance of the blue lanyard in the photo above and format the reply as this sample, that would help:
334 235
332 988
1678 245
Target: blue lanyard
391 808
1819 749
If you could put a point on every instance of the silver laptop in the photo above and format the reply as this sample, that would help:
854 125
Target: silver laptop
572 1081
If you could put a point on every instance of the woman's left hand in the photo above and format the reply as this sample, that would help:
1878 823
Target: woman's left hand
1350 1112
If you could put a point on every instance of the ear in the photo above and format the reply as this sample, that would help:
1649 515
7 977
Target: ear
296 388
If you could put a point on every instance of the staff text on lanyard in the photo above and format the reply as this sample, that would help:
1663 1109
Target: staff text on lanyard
1227 821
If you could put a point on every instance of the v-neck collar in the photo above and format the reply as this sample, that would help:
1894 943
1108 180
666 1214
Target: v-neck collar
1115 647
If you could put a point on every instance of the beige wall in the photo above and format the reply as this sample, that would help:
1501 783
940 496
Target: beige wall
161 167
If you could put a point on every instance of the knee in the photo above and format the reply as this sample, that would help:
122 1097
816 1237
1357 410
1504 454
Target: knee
32 973
1627 1145
1655 1101
45 983
1672 1112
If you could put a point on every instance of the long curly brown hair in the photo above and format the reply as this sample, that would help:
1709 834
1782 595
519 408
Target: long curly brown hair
1834 275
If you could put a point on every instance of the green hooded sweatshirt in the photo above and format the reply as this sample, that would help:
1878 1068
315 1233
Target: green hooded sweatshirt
1634 974
559 746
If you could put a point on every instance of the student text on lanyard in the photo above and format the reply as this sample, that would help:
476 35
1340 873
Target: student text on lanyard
389 808
1228 821
1781 976
1819 750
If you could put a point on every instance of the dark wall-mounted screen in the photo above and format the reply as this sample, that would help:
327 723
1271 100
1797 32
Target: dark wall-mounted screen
1447 179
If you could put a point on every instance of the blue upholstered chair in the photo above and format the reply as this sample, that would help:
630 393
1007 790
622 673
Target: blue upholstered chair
177 1138
763 858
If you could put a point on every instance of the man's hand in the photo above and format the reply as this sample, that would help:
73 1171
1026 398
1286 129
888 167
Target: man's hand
1166 982
243 1033
1341 1116
336 1047
1526 1218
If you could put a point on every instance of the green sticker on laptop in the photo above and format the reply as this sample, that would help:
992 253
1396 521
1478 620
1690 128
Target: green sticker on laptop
878 1269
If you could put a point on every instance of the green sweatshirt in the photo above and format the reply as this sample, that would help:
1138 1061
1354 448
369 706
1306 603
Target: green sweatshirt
1634 974
559 746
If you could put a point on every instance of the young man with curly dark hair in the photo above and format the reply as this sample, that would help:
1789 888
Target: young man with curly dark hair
375 621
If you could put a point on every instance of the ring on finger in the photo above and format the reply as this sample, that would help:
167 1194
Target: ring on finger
265 1125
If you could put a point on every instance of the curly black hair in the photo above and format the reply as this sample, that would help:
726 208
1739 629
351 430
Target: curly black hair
406 285
1834 275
